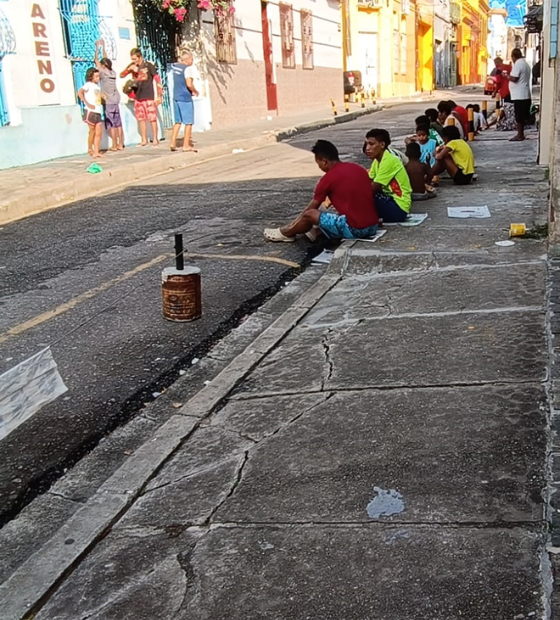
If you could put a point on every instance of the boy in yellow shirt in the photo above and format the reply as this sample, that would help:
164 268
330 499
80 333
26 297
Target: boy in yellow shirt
455 156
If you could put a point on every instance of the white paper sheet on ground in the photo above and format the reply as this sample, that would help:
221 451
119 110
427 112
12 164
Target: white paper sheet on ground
27 387
464 212
414 219
379 234
324 258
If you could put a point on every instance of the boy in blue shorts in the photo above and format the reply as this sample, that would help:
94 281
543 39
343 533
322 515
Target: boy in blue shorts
349 189
183 106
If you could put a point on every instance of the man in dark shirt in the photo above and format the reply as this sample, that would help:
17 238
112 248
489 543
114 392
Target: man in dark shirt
349 189
145 101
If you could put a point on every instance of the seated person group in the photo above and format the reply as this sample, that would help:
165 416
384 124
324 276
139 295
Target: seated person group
362 200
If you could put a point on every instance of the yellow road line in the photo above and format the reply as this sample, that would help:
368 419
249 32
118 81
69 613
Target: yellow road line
50 314
69 305
268 259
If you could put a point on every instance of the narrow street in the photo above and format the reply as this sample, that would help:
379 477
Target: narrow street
378 452
86 279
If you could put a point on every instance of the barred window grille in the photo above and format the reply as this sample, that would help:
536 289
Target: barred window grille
224 27
307 39
287 35
396 49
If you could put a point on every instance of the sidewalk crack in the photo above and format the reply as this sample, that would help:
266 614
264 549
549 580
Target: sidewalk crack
234 485
325 341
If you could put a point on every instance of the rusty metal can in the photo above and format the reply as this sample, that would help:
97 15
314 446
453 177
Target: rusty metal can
181 294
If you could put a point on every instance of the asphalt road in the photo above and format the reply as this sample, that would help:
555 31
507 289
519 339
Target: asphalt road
97 264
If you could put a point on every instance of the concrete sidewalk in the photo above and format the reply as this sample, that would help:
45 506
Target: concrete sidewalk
379 452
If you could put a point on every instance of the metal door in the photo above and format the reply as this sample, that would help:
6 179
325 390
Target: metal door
271 91
158 37
368 59
4 118
81 27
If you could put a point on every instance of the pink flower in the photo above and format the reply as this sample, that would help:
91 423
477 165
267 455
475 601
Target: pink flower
165 4
204 5
180 14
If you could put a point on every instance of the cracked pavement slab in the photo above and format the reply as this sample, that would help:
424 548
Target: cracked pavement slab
296 572
455 289
423 350
204 470
462 455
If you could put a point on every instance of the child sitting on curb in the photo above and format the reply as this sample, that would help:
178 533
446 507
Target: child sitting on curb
419 174
455 156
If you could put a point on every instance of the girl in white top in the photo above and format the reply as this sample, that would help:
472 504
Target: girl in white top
90 96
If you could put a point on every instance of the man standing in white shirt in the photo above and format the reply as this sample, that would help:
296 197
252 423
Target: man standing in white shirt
520 90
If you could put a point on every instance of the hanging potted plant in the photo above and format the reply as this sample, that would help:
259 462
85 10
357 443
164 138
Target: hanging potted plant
221 7
180 8
177 8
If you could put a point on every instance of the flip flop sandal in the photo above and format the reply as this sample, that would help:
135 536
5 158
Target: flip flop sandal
274 234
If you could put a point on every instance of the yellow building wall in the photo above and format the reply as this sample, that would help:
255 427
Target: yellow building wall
376 31
424 47
472 35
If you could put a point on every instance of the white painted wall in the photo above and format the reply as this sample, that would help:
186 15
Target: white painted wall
30 107
26 92
327 37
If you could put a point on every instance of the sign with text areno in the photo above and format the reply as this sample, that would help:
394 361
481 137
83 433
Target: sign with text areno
47 86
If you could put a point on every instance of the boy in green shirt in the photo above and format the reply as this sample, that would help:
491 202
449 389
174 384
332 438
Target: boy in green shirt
391 185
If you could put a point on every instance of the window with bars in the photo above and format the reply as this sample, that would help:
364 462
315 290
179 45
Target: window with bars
404 52
224 26
287 36
307 39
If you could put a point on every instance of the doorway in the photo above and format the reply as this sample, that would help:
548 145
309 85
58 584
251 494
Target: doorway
271 92
368 60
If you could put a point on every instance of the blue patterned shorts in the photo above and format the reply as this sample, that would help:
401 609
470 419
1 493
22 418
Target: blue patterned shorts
336 227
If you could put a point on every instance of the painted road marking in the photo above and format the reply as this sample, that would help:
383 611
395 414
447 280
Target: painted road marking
69 305
51 314
268 259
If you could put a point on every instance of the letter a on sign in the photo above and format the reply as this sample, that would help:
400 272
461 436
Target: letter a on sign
36 11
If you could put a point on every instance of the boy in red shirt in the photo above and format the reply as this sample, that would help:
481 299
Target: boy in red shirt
349 189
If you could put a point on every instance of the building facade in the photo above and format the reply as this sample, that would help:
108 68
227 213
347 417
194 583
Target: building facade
445 46
249 64
269 58
472 39
372 29
51 45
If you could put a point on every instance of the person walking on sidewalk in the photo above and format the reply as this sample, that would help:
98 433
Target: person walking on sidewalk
391 185
146 101
110 95
90 96
348 188
520 90
183 106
